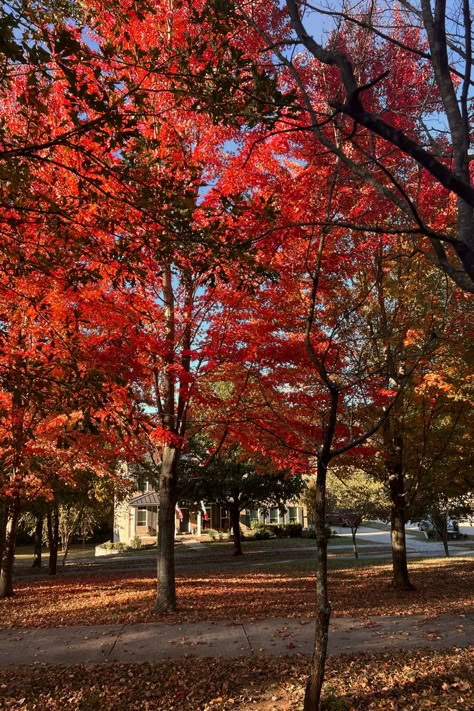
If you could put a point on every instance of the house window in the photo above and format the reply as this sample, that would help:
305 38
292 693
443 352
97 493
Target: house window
274 515
141 516
293 514
224 519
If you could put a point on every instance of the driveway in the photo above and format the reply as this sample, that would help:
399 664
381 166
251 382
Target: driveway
415 546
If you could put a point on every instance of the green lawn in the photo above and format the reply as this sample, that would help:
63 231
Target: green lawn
24 554
275 544
376 526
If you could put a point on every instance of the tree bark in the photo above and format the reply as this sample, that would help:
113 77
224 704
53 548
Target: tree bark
235 519
166 587
53 538
400 580
323 608
8 553
70 533
3 527
444 538
38 541
354 542
440 522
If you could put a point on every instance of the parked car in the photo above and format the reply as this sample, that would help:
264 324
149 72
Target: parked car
343 517
425 525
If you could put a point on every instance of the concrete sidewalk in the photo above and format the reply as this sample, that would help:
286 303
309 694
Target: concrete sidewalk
152 642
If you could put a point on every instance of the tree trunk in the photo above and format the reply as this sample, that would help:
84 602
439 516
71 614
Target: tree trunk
71 532
354 543
166 588
323 609
8 553
38 541
440 522
400 580
444 538
3 527
235 519
53 538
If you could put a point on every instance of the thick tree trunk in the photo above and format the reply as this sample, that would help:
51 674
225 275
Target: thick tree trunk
166 588
400 580
323 609
53 539
235 520
38 541
8 553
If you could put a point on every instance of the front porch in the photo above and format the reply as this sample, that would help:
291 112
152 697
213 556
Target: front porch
195 521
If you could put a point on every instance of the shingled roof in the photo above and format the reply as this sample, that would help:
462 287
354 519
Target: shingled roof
150 498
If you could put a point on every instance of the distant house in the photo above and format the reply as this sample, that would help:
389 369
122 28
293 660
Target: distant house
138 517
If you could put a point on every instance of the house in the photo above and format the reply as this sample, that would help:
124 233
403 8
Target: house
137 517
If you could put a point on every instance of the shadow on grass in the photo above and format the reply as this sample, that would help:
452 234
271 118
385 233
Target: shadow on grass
239 593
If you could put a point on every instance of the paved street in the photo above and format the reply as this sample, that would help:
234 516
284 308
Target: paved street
434 549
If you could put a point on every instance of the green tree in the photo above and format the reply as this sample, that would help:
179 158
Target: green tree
237 482
353 489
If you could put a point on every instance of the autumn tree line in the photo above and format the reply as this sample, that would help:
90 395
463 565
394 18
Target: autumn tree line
243 222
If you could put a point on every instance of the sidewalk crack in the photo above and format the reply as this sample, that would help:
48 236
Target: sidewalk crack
119 633
247 638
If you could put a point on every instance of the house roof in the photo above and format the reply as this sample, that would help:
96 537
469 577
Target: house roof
150 498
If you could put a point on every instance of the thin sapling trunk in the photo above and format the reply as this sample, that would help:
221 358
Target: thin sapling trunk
52 520
235 519
354 541
38 541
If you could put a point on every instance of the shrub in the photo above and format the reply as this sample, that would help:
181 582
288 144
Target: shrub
261 533
212 534
293 530
277 530
311 533
117 546
136 542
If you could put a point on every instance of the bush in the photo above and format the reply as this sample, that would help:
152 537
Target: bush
261 533
136 542
277 530
311 533
212 534
117 546
293 530
289 530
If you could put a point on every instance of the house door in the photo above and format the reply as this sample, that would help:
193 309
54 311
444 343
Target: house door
184 522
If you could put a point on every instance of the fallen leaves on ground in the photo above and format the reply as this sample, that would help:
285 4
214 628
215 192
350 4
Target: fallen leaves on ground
128 597
405 680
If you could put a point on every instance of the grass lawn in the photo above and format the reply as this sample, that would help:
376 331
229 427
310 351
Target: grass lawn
24 554
411 681
376 526
283 544
244 592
